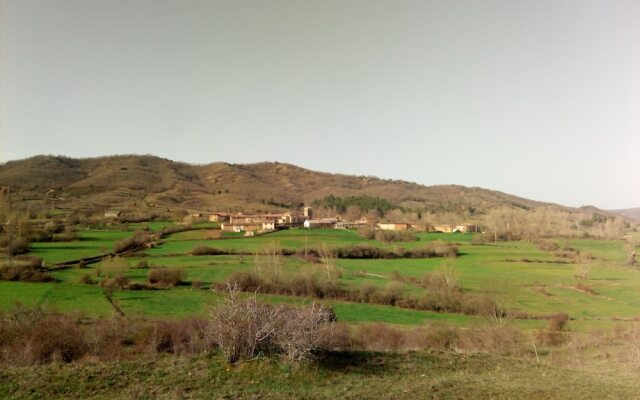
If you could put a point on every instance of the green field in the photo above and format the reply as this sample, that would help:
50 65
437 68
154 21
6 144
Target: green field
518 275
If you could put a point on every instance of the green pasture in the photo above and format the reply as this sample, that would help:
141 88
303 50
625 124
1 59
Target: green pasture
518 275
91 243
184 242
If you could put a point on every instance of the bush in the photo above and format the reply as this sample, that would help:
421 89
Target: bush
558 322
546 245
432 249
136 242
166 276
19 245
86 279
367 232
24 271
202 250
243 329
395 236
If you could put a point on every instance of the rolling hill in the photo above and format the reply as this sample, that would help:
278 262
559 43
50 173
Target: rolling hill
147 182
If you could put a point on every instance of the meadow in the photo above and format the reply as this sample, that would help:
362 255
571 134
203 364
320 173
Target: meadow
518 275
589 280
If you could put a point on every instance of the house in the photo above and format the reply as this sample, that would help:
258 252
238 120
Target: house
268 226
289 219
239 227
466 228
321 223
218 217
351 224
393 226
307 213
441 228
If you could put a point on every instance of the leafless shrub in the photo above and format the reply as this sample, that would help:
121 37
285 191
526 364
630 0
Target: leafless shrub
166 276
202 250
586 289
86 279
378 337
583 270
178 337
303 332
547 245
245 328
137 241
242 328
494 339
27 338
367 232
25 271
395 236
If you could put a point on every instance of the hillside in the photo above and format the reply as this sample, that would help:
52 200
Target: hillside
632 214
149 182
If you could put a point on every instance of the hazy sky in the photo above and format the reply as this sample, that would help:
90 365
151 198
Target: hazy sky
536 98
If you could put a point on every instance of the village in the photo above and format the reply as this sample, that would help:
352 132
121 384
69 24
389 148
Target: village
252 224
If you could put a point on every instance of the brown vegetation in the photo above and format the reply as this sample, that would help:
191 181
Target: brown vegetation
135 242
166 276
202 250
26 269
442 294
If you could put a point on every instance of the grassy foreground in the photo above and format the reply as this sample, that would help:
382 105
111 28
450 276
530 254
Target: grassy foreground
421 375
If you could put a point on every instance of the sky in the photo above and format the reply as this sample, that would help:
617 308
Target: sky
538 98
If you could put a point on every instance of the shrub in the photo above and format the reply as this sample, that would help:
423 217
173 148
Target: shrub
178 337
243 329
86 279
378 337
547 245
136 242
494 339
25 272
166 276
367 232
558 322
395 236
207 251
19 245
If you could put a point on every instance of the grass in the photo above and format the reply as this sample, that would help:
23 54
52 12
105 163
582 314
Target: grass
341 375
518 274
91 243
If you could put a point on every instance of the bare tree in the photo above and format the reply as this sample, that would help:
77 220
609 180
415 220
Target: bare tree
328 260
630 248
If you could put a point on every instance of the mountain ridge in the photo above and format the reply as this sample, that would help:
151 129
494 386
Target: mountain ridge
136 180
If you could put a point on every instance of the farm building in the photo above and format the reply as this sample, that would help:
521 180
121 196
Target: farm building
454 228
268 226
239 227
393 226
218 217
308 213
466 228
321 223
441 228
350 224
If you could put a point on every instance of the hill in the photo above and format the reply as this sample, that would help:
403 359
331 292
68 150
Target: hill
149 182
632 214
